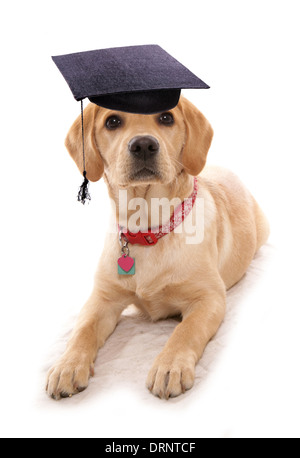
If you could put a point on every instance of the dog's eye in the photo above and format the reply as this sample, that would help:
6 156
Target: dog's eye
113 122
166 119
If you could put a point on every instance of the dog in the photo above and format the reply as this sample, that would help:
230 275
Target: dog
150 157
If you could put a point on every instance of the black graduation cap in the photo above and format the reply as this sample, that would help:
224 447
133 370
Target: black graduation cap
135 79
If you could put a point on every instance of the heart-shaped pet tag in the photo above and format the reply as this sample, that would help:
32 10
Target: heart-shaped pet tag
126 263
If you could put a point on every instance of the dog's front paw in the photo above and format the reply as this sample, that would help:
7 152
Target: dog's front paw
69 376
171 375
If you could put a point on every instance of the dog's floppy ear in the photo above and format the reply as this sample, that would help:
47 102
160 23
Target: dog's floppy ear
73 142
199 134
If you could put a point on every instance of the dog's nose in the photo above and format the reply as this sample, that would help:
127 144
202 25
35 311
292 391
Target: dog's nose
143 147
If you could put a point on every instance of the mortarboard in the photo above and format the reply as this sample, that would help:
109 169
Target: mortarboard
135 79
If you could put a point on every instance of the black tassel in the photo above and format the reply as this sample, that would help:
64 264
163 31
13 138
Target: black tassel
83 193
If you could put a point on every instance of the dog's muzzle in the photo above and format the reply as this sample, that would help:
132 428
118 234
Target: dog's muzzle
144 150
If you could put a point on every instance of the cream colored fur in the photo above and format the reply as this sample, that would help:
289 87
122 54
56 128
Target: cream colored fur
172 277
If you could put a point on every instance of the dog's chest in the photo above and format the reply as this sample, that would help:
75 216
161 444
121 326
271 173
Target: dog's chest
161 273
164 277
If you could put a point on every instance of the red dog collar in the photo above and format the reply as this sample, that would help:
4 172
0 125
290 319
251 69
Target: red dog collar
151 237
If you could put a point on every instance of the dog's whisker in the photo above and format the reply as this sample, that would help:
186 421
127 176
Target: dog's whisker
184 167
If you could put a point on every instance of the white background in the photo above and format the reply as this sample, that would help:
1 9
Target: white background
248 52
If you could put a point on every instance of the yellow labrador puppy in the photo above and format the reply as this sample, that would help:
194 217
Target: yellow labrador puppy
156 156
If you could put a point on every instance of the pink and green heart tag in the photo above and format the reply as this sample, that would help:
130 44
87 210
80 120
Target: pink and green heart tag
126 265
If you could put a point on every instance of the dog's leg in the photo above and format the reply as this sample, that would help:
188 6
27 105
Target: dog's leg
96 322
173 371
